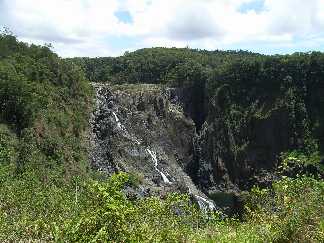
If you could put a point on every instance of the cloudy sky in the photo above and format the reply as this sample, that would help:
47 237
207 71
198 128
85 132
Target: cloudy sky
111 27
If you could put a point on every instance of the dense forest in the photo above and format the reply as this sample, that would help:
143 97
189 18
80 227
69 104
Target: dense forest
157 65
241 81
49 191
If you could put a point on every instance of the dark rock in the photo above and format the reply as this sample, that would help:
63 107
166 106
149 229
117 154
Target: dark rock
177 140
129 121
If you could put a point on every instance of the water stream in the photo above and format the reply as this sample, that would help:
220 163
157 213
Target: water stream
155 161
119 125
203 203
149 151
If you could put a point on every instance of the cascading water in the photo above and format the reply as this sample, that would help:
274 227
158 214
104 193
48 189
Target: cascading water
119 125
149 151
205 204
107 107
155 161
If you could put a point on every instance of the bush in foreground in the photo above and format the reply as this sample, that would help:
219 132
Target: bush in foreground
94 211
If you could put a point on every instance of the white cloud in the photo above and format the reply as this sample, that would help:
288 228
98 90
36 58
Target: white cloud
72 18
293 16
218 23
82 27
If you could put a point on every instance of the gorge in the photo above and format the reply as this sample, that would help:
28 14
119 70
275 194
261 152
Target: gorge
160 145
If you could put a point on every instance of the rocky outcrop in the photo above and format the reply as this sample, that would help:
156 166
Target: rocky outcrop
142 129
221 167
232 155
173 143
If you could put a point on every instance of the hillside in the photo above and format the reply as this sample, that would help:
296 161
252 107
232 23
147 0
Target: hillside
165 145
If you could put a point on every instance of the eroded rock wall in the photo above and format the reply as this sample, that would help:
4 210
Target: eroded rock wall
142 129
152 131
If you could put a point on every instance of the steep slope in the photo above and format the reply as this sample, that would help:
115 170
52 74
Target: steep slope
257 110
45 102
226 129
142 129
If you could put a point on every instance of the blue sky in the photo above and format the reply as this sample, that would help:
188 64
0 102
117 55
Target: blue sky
124 16
256 5
111 27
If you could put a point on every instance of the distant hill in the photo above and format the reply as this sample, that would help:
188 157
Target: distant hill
155 65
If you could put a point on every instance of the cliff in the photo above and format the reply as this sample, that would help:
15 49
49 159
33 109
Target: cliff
173 142
143 130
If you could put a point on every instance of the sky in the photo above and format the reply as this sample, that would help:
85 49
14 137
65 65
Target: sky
111 27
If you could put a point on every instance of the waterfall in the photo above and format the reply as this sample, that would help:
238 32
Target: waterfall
106 107
119 125
155 161
149 151
205 204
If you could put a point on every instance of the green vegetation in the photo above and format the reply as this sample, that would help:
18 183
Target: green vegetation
295 163
254 89
93 211
45 103
246 87
48 192
156 65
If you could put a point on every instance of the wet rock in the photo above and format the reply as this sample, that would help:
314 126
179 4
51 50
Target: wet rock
142 129
176 140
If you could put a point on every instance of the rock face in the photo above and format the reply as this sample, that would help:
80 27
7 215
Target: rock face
218 168
176 143
142 129
231 159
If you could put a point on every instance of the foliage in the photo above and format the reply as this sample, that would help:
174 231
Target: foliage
45 101
263 105
8 145
114 217
296 162
292 210
30 209
300 158
48 194
99 211
155 65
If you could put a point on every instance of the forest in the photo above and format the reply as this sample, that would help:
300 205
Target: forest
243 80
50 192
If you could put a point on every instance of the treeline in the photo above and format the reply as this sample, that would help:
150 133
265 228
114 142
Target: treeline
156 65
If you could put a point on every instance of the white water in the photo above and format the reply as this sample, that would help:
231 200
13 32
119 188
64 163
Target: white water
119 125
155 161
205 204
151 153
